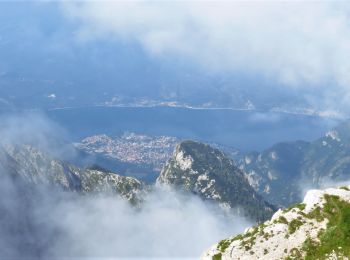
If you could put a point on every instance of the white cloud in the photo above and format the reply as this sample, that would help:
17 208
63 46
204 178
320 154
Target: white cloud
52 96
44 222
54 224
295 43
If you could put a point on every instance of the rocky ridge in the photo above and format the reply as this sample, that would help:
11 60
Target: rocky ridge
318 228
207 172
36 167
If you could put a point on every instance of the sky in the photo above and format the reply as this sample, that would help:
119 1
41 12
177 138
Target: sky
294 42
298 45
291 54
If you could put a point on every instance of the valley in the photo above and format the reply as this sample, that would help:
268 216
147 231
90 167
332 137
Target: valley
226 182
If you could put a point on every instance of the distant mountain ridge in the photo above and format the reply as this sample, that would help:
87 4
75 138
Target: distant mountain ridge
35 167
197 168
280 173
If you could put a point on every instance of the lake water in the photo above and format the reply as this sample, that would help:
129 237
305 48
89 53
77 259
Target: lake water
246 130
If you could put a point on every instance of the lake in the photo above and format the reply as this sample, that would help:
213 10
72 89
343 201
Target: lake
242 129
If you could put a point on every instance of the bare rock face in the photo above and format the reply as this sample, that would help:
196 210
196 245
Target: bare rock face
36 167
207 172
318 228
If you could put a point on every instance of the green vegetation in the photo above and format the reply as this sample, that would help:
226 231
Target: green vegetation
337 235
294 225
283 220
345 188
316 214
308 243
334 239
300 206
224 244
266 236
295 253
217 256
248 239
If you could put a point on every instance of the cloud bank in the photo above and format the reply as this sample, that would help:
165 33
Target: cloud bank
44 222
295 43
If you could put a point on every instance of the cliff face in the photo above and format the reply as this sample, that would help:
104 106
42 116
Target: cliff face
207 172
318 228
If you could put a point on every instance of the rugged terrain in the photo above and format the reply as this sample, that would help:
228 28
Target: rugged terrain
36 167
131 154
195 167
318 228
282 172
207 172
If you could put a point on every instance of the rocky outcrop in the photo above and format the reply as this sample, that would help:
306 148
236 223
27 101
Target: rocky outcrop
207 172
36 167
318 228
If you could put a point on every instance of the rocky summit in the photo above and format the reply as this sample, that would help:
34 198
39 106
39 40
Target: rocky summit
318 228
207 172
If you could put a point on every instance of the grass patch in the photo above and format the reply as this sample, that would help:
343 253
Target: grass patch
217 256
317 214
336 237
294 225
224 244
282 220
300 206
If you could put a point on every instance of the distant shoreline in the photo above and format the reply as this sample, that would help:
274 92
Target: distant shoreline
311 113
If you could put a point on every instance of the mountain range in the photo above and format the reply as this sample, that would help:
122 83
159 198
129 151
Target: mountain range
194 167
253 186
284 171
35 167
281 173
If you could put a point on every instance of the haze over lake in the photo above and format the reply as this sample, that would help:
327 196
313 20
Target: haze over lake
242 129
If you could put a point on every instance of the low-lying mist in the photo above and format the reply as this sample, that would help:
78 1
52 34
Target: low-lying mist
323 183
47 222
